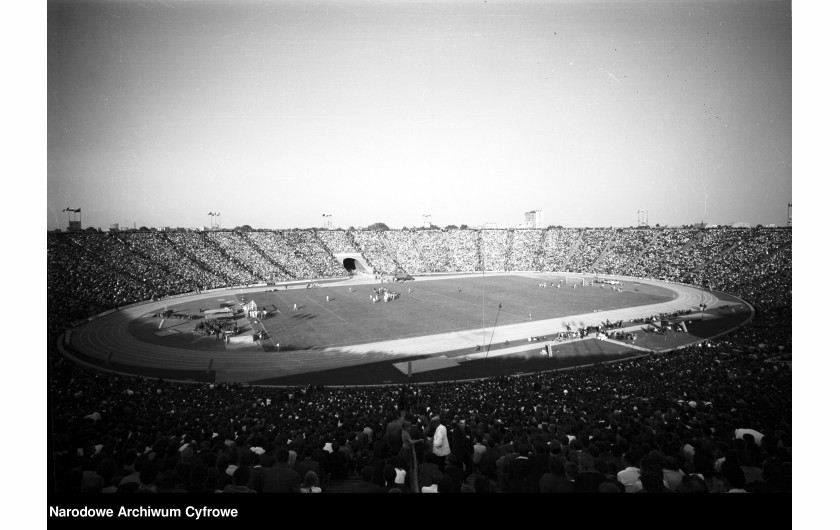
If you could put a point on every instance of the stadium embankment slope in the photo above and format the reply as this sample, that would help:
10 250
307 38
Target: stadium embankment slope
108 338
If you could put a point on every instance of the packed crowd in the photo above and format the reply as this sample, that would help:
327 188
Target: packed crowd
240 248
337 241
80 283
768 258
202 248
702 419
526 251
494 249
625 250
90 273
655 260
296 253
464 249
593 243
706 244
184 274
373 249
312 251
713 417
405 252
434 249
559 243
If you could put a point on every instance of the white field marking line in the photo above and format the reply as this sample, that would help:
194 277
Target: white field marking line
627 344
470 303
510 350
319 304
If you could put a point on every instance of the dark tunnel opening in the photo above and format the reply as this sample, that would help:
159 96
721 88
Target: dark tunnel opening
350 264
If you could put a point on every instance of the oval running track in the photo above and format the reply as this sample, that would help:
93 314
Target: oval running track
109 336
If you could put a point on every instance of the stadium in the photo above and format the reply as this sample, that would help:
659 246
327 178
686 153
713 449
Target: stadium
632 334
247 313
313 333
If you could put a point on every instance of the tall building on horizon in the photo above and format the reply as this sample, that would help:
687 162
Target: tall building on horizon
533 219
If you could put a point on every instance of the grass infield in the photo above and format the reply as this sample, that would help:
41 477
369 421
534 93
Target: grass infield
432 307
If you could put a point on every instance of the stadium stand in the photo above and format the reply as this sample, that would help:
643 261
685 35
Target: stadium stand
713 417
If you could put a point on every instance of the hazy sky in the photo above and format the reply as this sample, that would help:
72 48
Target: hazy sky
274 113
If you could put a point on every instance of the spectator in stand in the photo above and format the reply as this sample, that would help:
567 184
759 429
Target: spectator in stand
588 479
310 483
709 390
366 485
555 480
518 470
440 442
274 474
241 478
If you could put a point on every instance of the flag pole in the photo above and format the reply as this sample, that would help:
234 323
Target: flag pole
493 332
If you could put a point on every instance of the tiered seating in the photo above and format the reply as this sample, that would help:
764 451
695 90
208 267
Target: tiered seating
402 244
677 414
626 249
337 241
592 244
655 260
205 250
558 244
372 247
463 247
494 249
238 248
434 248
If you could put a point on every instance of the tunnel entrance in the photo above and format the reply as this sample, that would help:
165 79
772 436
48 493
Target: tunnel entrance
350 265
353 263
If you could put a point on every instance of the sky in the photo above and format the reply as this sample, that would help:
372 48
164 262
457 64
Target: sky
275 113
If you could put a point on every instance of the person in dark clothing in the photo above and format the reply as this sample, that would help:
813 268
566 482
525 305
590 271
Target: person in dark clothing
455 472
378 461
518 470
487 464
275 475
538 459
367 485
426 469
338 465
555 480
588 478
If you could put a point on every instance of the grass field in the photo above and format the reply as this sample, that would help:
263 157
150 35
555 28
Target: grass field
432 307
343 341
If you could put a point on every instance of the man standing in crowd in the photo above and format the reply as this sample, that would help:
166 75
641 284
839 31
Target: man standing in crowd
274 475
440 442
393 434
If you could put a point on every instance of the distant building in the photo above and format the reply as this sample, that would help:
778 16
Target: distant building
533 219
114 227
